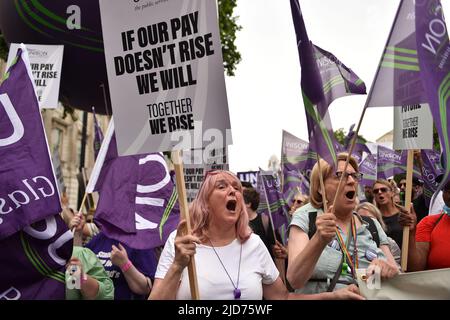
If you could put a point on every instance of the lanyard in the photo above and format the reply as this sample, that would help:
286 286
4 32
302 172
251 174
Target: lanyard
353 261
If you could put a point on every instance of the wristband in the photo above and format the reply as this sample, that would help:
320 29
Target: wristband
126 266
83 278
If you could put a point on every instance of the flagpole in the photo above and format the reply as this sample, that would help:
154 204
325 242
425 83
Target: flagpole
409 174
322 185
78 236
184 213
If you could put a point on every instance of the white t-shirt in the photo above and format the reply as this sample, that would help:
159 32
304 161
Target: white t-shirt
257 268
437 205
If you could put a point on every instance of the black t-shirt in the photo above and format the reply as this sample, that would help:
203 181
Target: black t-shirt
394 229
258 228
421 208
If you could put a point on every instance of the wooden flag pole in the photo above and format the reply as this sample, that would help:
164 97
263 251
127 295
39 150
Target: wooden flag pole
184 212
322 186
78 236
409 174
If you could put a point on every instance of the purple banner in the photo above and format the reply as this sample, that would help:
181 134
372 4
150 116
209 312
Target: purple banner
368 167
323 79
272 201
138 200
28 189
392 162
33 261
296 154
431 168
398 79
433 51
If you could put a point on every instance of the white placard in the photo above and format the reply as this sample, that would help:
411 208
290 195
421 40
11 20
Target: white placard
413 127
165 74
46 63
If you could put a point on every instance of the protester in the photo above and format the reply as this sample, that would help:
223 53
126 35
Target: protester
384 198
93 279
317 259
72 219
299 200
367 209
429 240
131 270
260 223
368 193
231 261
417 197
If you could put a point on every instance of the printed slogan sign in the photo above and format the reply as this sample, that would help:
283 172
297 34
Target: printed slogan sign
46 63
165 74
197 163
413 127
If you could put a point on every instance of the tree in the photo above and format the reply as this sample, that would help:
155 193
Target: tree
228 27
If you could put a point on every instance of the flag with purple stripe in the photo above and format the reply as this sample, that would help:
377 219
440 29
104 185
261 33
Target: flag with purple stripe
137 198
323 79
28 186
433 52
431 168
272 201
33 261
368 167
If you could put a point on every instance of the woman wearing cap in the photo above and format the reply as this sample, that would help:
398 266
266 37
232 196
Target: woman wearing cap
429 240
326 248
231 261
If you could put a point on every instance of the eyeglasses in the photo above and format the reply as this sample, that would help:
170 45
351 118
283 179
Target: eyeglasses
382 190
402 185
357 176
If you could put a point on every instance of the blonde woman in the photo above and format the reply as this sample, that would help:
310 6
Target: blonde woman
367 209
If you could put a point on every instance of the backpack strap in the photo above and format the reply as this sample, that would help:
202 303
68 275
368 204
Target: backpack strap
312 223
373 229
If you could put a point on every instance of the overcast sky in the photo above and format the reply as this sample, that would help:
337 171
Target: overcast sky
264 96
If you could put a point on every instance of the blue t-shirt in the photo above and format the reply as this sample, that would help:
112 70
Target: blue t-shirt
144 260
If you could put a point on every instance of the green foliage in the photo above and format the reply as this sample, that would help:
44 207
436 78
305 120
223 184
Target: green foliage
228 27
340 135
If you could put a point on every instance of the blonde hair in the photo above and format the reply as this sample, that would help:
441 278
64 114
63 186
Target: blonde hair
387 184
325 170
374 211
200 214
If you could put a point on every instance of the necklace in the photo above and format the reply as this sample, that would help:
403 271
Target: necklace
236 291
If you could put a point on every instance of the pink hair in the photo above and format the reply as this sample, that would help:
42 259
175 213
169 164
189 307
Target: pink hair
200 216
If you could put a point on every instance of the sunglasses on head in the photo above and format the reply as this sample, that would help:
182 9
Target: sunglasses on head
382 190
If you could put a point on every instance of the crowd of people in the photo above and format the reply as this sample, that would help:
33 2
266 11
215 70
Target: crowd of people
332 232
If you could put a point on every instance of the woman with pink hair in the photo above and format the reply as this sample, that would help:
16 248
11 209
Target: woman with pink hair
231 261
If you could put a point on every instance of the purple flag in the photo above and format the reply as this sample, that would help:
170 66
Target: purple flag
33 261
28 188
390 163
98 134
368 167
323 79
433 51
431 168
296 154
398 79
138 200
272 201
293 183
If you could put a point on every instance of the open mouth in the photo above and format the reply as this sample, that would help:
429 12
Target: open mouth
231 205
350 195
